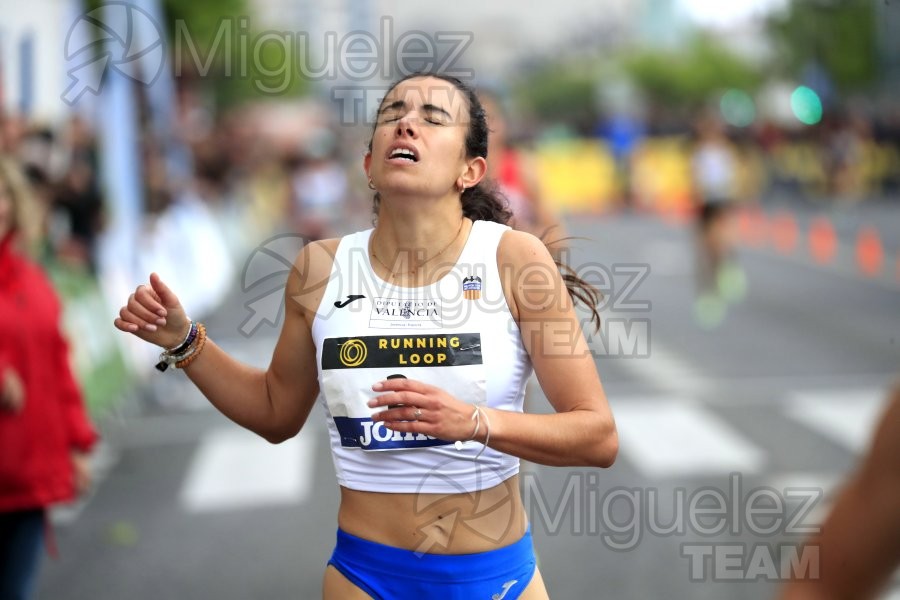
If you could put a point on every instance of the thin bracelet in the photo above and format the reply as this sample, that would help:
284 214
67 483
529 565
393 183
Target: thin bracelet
177 358
487 439
168 359
476 416
185 350
191 333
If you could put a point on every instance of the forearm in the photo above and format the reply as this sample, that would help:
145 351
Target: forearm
573 438
274 403
238 391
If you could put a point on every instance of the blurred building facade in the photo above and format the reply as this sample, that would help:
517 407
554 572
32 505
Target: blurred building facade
32 57
503 32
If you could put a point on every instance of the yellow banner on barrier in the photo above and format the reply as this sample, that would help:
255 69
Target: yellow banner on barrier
577 175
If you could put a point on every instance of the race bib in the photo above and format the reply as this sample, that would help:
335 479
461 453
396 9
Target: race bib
452 362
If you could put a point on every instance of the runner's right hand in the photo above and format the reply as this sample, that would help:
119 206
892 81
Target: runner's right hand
154 314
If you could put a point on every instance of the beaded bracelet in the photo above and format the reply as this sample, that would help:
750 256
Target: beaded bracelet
201 341
192 345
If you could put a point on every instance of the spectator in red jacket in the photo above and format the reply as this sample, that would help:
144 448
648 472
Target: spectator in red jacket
45 434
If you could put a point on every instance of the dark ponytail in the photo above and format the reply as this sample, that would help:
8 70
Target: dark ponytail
484 202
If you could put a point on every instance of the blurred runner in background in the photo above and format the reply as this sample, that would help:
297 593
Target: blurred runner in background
715 174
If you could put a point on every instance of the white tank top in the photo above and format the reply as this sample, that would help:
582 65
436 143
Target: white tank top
457 334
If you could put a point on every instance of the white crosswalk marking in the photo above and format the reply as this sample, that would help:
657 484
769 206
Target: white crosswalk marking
847 417
675 437
233 468
667 371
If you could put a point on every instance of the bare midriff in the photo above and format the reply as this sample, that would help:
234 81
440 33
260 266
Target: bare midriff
437 523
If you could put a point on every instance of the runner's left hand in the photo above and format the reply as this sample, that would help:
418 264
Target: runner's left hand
425 409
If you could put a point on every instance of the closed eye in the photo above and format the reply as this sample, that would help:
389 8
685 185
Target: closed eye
436 115
433 114
432 120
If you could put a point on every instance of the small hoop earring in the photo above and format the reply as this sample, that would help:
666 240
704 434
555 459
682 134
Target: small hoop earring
371 184
460 186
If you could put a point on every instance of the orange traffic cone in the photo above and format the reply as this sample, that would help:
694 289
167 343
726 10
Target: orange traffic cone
869 251
822 240
784 232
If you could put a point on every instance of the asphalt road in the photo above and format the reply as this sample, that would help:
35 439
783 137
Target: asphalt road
770 409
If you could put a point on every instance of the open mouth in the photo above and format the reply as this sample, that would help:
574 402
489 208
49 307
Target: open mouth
405 154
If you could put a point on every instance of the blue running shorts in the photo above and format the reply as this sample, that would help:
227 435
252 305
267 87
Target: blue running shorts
389 573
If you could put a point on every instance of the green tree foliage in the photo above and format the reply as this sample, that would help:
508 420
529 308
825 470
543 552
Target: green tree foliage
683 78
215 45
839 35
690 76
559 93
220 46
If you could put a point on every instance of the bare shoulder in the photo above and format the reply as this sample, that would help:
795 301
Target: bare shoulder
530 278
520 248
310 275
